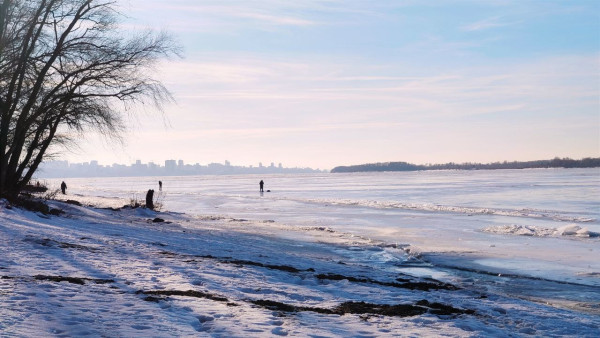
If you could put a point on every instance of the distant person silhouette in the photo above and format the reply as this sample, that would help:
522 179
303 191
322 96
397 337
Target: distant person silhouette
160 185
63 187
261 184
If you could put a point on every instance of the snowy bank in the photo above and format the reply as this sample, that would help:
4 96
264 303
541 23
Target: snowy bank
136 272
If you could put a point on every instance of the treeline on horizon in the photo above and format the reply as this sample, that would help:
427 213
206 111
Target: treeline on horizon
404 166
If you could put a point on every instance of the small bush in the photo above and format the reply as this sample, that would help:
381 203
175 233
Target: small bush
158 204
35 188
33 205
134 202
50 195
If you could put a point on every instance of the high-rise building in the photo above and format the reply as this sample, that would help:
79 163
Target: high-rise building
170 165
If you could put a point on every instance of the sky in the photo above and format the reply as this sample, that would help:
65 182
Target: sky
323 83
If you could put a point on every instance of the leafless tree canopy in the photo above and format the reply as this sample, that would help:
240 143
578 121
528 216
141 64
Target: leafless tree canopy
64 65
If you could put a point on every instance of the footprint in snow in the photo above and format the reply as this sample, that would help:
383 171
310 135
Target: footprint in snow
140 327
204 323
204 319
279 331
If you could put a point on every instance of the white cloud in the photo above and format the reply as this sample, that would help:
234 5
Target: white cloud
488 23
545 85
218 14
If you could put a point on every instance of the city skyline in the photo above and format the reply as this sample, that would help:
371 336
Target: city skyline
64 168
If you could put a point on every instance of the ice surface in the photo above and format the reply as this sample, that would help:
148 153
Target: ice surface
477 212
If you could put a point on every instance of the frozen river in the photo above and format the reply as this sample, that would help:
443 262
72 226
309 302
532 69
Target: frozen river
528 233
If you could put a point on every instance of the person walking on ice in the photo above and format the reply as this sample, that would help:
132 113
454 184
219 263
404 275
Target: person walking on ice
63 187
261 184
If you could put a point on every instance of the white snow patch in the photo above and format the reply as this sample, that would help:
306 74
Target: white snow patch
530 230
85 274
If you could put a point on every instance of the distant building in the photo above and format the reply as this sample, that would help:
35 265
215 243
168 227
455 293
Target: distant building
56 165
170 165
180 163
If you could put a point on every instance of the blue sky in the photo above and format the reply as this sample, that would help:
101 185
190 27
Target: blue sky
332 82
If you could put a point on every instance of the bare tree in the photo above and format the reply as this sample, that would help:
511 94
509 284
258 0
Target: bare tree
64 66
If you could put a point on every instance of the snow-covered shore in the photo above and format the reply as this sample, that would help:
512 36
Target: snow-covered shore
124 272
